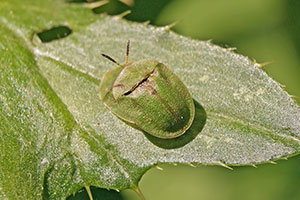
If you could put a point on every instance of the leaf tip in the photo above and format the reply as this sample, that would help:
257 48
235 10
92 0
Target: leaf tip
192 165
284 158
224 165
146 22
127 2
95 4
159 168
272 162
168 27
253 165
227 47
295 98
123 14
262 65
231 48
209 42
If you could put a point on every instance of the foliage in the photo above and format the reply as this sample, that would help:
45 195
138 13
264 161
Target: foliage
57 136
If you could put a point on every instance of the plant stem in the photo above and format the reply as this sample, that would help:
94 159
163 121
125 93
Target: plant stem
88 189
139 192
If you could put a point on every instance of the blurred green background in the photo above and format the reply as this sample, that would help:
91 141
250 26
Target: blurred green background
264 30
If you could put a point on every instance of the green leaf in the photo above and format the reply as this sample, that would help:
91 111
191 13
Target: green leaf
57 136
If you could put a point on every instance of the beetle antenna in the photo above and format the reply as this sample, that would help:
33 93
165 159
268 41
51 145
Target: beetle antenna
110 58
127 52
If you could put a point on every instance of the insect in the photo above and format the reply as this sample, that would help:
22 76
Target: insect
148 96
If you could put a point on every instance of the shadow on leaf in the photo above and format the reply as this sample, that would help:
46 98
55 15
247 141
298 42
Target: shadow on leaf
188 136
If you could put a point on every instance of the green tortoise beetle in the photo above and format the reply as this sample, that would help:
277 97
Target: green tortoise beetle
148 96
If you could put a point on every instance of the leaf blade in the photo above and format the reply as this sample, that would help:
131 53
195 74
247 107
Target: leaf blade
250 119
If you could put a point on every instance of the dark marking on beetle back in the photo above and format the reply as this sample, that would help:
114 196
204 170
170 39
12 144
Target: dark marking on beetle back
137 85
127 93
154 92
119 85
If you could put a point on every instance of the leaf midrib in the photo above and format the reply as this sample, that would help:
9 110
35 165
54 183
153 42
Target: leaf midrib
258 128
285 139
